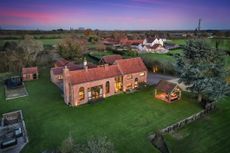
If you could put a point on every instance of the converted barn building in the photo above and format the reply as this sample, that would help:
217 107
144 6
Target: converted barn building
85 85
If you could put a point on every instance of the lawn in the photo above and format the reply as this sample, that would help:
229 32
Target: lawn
100 54
162 58
208 135
126 119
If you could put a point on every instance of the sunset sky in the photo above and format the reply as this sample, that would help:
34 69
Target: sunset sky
114 14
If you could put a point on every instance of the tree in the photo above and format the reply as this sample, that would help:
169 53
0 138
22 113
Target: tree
88 32
68 145
99 145
16 55
31 48
99 46
72 47
94 145
202 69
117 36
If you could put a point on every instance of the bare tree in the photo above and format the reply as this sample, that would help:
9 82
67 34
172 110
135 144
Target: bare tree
72 47
31 48
100 46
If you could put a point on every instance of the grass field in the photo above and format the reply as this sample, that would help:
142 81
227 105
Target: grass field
126 119
224 43
44 41
208 135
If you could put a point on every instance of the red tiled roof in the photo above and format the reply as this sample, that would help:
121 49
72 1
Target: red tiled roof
130 42
165 86
94 74
131 65
110 41
29 70
71 67
110 59
61 63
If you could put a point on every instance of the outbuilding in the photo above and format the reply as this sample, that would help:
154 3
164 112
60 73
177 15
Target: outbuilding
167 91
29 73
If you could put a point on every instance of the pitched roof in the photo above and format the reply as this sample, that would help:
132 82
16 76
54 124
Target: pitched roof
29 70
61 63
110 59
71 67
94 74
131 65
165 86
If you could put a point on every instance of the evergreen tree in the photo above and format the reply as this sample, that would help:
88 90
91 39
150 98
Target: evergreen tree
202 69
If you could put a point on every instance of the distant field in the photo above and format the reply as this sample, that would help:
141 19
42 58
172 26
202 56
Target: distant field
224 43
49 41
44 41
208 135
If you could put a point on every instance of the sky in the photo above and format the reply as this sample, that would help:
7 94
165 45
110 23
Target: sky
114 14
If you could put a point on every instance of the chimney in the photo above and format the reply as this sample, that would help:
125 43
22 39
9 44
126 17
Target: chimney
106 66
85 64
66 71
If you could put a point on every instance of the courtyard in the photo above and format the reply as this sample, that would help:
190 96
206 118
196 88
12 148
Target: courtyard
126 119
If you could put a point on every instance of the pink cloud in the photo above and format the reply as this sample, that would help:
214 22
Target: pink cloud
23 17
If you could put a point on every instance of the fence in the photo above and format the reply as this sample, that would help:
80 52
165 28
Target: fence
158 141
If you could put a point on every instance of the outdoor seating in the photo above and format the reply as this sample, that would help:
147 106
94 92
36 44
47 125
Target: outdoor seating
8 143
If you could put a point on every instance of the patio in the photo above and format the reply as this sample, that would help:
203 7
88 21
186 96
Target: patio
13 135
15 92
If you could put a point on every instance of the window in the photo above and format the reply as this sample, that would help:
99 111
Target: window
27 76
107 87
81 93
136 83
142 74
60 77
129 86
118 84
129 77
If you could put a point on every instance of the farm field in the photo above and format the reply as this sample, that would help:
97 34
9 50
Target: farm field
212 133
126 119
224 43
44 41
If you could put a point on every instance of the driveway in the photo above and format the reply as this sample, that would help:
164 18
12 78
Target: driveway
154 78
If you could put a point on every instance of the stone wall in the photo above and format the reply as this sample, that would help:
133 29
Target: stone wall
161 146
210 107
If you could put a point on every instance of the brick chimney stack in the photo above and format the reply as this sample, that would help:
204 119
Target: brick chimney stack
106 66
85 64
66 85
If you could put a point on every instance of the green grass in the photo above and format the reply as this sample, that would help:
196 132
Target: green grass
224 43
49 41
100 54
179 41
208 135
163 58
126 119
44 41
